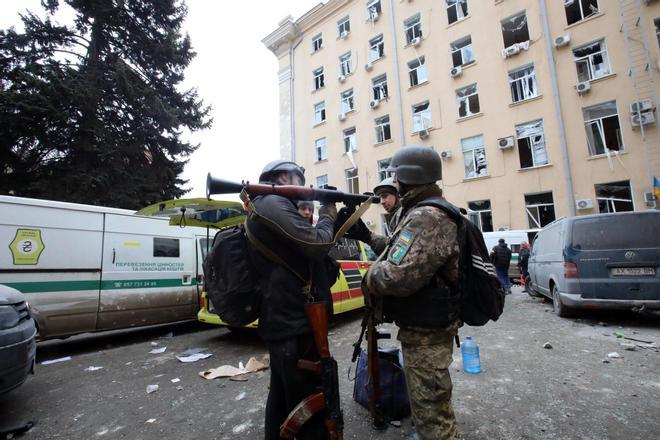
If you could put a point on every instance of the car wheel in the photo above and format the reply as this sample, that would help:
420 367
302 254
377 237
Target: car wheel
560 309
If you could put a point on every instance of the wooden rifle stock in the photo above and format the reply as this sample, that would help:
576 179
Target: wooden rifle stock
293 192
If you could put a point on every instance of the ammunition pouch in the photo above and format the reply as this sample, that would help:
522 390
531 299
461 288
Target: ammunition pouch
431 307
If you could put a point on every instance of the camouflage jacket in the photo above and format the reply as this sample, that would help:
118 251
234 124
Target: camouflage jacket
424 245
379 242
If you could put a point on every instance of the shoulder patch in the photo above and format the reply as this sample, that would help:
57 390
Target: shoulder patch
401 246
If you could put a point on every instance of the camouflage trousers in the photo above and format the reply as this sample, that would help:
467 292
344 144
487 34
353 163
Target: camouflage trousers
429 389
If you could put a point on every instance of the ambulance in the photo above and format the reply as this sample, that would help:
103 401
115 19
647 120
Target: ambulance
87 268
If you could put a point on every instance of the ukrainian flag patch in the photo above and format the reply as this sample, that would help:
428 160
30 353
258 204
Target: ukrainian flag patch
401 246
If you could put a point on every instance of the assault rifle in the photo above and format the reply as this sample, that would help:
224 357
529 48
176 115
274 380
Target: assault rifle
328 397
220 186
373 365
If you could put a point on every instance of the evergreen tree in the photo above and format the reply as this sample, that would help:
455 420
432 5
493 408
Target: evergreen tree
93 112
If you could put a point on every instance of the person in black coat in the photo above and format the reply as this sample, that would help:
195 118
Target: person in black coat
501 259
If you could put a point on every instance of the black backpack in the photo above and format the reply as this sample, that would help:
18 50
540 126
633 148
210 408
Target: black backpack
482 296
231 278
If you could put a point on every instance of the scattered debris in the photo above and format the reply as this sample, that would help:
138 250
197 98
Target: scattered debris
547 345
621 335
230 371
154 344
396 423
614 355
175 380
240 378
606 361
240 396
90 368
652 345
150 421
193 357
158 350
152 389
628 346
55 361
238 429
158 375
179 388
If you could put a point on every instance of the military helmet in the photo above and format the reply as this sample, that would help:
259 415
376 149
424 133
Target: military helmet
416 165
387 185
272 169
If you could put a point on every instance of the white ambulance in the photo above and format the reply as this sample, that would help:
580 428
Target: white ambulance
87 268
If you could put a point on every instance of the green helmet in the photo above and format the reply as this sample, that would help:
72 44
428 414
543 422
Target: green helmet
272 169
416 165
387 185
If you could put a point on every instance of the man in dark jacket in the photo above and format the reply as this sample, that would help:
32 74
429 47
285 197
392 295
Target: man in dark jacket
501 257
523 263
276 223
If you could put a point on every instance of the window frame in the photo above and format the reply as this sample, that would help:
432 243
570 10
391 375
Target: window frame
455 5
352 182
321 149
318 38
412 28
377 44
344 25
321 178
522 13
379 89
466 98
318 78
383 129
588 60
610 202
480 213
351 138
347 97
472 151
320 111
374 6
453 49
523 85
421 67
166 247
422 119
381 167
598 122
346 63
537 206
537 131
581 12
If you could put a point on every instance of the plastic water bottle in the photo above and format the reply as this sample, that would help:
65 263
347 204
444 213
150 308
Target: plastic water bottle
470 354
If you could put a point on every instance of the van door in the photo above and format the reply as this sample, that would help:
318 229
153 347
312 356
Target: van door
347 290
148 272
204 244
618 256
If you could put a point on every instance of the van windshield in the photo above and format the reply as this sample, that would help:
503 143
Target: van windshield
617 232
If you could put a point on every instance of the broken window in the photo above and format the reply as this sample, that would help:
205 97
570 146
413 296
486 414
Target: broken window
540 209
577 10
467 100
347 104
481 215
531 144
474 156
319 112
345 64
456 10
383 132
379 87
417 71
319 80
614 197
421 114
461 51
317 42
374 9
413 28
321 148
376 48
514 29
343 27
591 61
350 140
523 83
603 131
352 183
382 166
321 181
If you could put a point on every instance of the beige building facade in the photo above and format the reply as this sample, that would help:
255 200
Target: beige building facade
539 108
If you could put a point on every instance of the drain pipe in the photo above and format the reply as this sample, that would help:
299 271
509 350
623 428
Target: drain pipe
558 113
397 73
292 102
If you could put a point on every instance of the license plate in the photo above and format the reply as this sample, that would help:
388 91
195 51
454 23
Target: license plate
632 271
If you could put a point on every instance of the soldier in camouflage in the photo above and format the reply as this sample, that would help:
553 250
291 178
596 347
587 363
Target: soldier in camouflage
415 279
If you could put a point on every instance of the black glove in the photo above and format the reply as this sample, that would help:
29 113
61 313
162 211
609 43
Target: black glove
342 216
359 231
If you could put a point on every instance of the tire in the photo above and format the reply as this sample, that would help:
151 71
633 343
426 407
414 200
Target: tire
560 309
530 290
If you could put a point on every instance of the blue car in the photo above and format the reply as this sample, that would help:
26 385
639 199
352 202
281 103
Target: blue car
17 339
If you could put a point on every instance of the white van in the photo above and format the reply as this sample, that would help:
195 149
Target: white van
513 239
87 268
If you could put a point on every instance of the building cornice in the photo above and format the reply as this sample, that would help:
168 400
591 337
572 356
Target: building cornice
281 39
319 13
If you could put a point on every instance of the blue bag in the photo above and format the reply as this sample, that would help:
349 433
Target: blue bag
394 401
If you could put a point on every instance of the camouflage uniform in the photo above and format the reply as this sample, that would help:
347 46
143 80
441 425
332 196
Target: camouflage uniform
424 245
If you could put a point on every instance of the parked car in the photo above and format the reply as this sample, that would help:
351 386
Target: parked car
17 339
598 261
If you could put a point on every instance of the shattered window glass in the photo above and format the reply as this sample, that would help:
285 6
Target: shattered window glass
531 144
514 29
523 84
591 61
603 130
480 213
474 156
614 197
456 10
462 52
413 27
376 48
467 100
417 71
421 116
540 209
379 87
577 10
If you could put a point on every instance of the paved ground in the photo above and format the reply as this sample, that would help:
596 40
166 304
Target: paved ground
524 392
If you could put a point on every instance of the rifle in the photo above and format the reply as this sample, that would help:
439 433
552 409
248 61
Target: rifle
373 365
293 192
326 367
